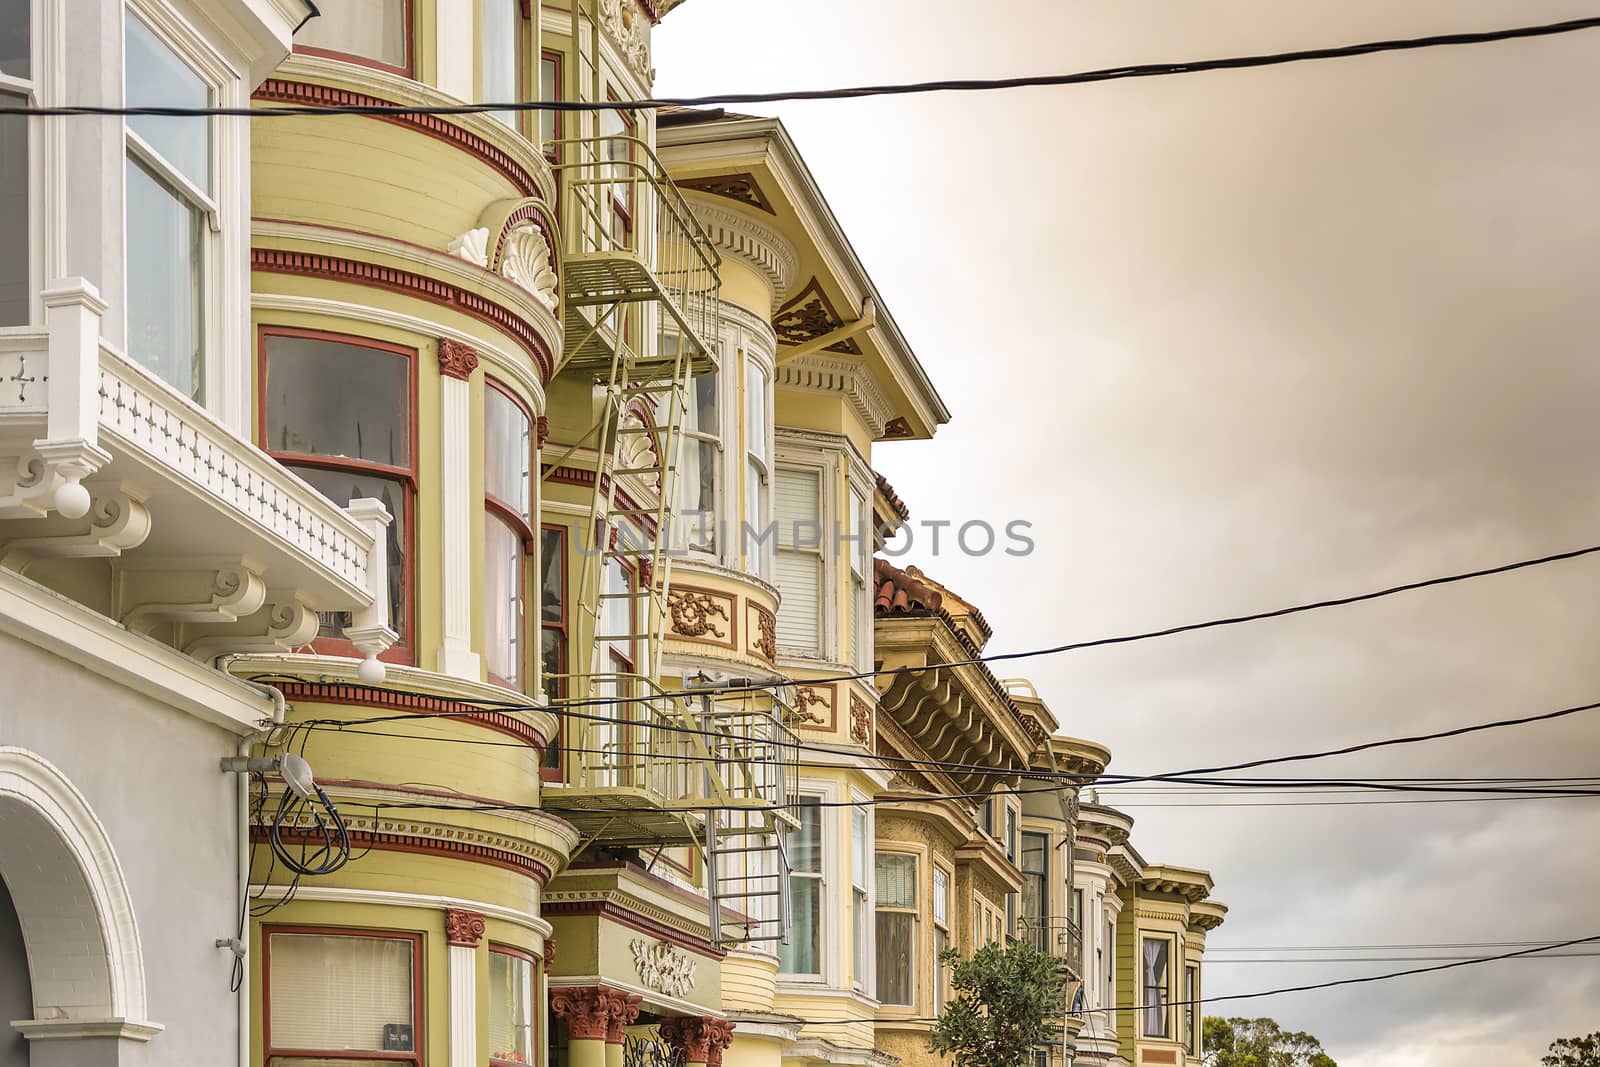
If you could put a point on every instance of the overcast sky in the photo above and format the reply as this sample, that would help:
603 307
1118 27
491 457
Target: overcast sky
1237 340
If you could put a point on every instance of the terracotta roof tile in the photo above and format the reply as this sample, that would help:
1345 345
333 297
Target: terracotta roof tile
897 505
900 592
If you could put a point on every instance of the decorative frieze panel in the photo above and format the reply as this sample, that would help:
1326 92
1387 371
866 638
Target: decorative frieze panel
662 967
629 28
702 615
840 376
814 707
763 627
860 720
810 314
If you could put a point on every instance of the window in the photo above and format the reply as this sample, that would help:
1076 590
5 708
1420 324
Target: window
339 998
553 631
16 90
500 45
897 927
941 938
616 629
338 411
860 906
1154 962
803 953
1108 995
511 1007
1035 890
701 453
1191 997
507 531
170 208
1075 934
377 32
1011 834
756 470
860 637
988 817
616 131
550 89
799 560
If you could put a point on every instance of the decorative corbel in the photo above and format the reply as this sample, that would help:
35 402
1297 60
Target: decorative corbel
70 449
118 521
185 590
284 624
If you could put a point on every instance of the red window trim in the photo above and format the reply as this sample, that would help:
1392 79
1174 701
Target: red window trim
554 154
404 651
410 20
557 774
538 998
521 526
418 1015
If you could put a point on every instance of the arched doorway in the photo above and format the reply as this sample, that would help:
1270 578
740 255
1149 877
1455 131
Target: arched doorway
72 910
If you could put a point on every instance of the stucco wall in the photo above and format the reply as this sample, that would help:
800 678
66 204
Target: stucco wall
15 1000
151 776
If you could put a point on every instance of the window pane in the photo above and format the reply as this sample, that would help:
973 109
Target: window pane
696 516
507 451
341 487
330 398
369 29
339 993
549 89
861 938
755 410
15 37
510 1008
157 77
14 295
897 880
165 272
941 897
895 954
941 941
502 599
499 29
805 844
757 536
803 953
553 580
860 848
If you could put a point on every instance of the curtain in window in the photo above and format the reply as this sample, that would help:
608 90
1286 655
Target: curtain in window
1155 987
510 1008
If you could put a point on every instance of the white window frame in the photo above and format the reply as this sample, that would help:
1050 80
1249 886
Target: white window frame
857 573
863 882
1173 948
226 205
767 463
924 890
827 594
829 965
941 979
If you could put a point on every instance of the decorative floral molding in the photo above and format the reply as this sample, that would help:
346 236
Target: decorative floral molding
860 720
662 967
456 360
701 1039
549 952
808 695
766 641
692 613
586 1009
742 188
629 27
463 928
622 1011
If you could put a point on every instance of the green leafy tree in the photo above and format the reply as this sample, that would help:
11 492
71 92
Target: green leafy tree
1003 1000
1260 1043
1574 1052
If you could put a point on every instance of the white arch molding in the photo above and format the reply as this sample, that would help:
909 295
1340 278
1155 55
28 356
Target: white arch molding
72 903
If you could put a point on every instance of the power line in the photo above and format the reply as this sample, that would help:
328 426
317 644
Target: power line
1395 959
1384 946
1143 70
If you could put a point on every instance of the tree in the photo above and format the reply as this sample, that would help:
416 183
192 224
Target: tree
1002 1004
1260 1043
1574 1052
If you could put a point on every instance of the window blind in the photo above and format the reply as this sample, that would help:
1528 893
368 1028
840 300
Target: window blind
338 992
798 570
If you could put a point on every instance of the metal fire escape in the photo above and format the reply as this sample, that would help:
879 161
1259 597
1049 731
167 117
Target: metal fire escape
647 767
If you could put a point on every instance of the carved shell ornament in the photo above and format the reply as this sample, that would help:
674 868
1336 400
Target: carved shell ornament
527 261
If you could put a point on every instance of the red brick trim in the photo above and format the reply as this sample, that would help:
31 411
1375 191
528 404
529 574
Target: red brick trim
409 283
306 94
416 703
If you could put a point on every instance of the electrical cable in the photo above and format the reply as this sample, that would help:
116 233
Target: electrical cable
1142 70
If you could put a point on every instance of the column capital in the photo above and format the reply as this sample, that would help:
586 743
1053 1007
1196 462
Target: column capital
463 928
586 1009
701 1037
456 359
622 1011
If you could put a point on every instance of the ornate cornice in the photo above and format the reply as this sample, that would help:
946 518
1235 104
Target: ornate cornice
415 703
452 842
841 377
749 239
635 914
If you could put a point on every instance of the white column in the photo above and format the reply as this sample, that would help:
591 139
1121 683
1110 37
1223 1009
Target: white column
463 1006
456 363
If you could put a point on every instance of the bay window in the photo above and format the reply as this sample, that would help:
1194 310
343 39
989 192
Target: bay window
1036 889
337 998
859 650
553 631
1191 1009
1109 989
860 906
1011 834
941 937
511 1007
1154 961
508 531
757 471
798 568
550 89
171 212
339 412
803 954
896 876
16 90
373 32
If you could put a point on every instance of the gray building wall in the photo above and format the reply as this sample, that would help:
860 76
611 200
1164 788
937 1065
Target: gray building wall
151 775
